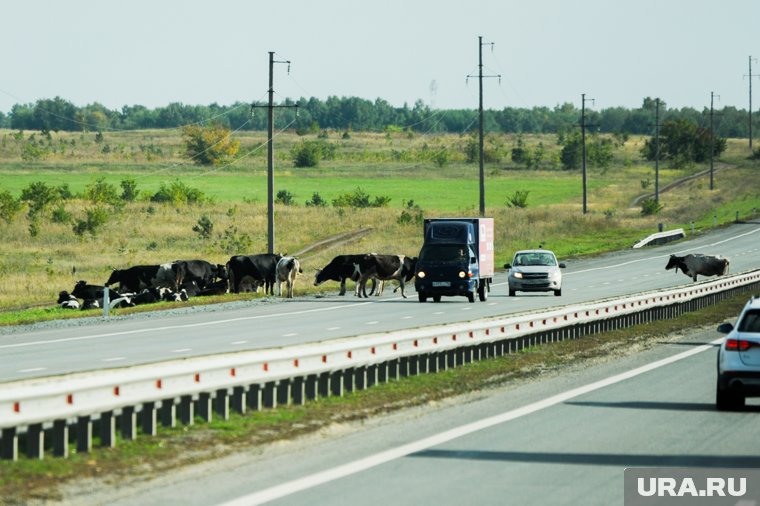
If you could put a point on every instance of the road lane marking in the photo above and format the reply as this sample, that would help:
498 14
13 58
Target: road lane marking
114 359
329 475
292 334
374 322
182 350
33 369
239 342
332 328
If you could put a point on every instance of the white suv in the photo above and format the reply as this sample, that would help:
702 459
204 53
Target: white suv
739 359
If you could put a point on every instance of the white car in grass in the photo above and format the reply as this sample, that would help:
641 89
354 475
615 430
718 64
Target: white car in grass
739 359
535 270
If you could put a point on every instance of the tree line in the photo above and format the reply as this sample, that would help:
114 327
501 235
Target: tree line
353 113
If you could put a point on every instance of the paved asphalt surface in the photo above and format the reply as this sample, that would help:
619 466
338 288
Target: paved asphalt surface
117 342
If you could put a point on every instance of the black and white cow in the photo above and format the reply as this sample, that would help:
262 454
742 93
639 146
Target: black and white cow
696 264
341 268
286 271
200 271
385 268
249 272
134 278
92 292
67 301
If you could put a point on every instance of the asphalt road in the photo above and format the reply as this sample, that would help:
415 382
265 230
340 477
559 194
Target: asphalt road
117 342
562 440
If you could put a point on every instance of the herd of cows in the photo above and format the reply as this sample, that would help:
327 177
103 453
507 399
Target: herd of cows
182 279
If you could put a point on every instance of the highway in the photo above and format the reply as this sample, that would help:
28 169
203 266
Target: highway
31 352
563 440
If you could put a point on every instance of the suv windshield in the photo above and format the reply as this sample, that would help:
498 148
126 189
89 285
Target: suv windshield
750 322
444 253
536 258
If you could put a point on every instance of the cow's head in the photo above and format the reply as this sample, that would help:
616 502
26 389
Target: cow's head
318 280
410 265
221 272
674 262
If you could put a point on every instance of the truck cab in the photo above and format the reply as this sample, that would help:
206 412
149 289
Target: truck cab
452 258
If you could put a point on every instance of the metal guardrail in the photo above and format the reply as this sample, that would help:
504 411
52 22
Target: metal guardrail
661 237
46 409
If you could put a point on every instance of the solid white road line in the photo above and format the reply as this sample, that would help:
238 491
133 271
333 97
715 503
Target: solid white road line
336 473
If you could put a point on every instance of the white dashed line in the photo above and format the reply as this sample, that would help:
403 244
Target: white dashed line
181 350
114 359
332 328
239 342
407 317
292 334
439 312
372 323
34 369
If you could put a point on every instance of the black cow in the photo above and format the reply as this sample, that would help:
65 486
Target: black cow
92 292
253 271
341 268
200 271
385 268
692 265
215 288
135 278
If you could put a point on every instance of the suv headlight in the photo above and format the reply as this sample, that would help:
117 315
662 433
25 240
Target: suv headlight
518 275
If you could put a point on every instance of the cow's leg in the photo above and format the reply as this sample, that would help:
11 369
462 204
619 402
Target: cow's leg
401 286
342 286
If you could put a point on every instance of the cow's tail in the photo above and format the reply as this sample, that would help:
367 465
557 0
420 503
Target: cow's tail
725 267
231 278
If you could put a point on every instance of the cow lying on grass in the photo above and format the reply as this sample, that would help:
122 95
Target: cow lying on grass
696 264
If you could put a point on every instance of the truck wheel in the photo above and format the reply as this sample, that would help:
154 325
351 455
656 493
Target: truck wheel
421 296
436 298
483 292
558 292
471 296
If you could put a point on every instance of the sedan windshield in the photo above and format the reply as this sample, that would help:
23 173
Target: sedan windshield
537 258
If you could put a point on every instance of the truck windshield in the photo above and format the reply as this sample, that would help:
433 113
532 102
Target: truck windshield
444 253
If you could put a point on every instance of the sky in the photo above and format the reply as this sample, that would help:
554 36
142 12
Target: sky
547 52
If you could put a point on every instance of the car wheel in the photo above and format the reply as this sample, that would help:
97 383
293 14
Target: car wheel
558 293
726 400
436 298
471 296
421 296
511 293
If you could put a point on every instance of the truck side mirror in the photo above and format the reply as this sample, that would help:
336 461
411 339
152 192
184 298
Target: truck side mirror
725 328
562 265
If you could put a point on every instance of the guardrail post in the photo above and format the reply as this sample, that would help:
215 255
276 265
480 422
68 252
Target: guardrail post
222 404
269 397
205 408
35 441
168 413
9 444
283 392
60 438
298 391
372 375
360 378
254 397
383 372
107 429
348 380
323 384
238 399
148 417
186 410
128 423
84 434
336 383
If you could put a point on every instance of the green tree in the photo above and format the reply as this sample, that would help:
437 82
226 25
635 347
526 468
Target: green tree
9 206
682 141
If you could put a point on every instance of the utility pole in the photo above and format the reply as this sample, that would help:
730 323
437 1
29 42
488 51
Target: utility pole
583 143
750 76
270 151
480 123
712 140
657 151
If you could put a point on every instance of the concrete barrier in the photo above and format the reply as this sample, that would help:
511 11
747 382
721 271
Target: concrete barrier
47 413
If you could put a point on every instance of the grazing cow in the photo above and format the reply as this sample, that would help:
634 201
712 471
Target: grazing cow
340 269
692 265
134 278
200 271
251 271
287 270
67 301
385 268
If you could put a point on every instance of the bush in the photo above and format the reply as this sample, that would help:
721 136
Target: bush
100 192
309 153
359 199
211 145
129 191
39 196
233 242
178 193
519 199
411 215
204 228
316 201
285 197
650 207
9 207
61 215
94 220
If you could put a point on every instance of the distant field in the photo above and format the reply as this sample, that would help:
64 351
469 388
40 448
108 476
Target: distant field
34 268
